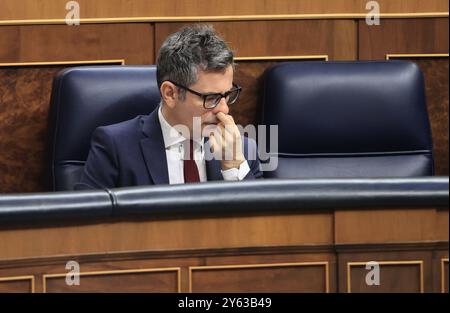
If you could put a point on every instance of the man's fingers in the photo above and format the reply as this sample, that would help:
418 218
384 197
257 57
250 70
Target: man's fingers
212 142
227 128
226 119
215 143
222 131
229 135
225 140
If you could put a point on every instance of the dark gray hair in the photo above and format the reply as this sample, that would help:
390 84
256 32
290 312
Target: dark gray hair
189 49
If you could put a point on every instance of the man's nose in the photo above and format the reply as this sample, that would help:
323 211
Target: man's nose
221 107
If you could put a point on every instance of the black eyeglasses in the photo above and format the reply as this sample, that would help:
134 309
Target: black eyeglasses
211 100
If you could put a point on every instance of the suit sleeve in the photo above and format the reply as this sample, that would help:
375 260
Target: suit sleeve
253 160
101 168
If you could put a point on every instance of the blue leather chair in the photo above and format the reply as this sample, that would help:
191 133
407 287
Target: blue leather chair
348 119
85 98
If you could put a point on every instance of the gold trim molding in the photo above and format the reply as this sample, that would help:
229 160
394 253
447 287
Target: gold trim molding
284 57
116 272
119 62
19 278
443 261
223 18
269 265
416 55
122 61
418 262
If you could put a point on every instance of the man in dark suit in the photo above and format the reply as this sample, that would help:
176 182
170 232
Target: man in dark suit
190 137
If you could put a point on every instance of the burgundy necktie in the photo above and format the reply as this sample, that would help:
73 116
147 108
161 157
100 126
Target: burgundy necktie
190 167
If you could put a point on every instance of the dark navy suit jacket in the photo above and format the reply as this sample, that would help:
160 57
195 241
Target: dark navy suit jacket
132 153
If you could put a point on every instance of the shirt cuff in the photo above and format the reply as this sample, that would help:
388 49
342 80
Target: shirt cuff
236 174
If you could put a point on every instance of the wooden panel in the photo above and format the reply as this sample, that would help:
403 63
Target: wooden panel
249 75
442 221
29 9
25 91
210 232
23 284
336 38
288 277
25 98
404 268
140 271
257 268
132 42
299 254
161 259
375 226
444 275
395 276
398 36
440 271
417 36
139 280
435 71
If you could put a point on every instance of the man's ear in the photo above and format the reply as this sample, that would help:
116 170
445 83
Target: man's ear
169 93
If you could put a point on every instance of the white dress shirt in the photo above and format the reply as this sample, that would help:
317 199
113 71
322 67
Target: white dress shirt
174 143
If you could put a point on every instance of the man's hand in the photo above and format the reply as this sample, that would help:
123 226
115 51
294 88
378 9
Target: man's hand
227 140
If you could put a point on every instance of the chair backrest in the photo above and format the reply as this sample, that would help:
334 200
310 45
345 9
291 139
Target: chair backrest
348 119
84 98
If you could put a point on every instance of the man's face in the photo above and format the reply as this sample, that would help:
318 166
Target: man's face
192 105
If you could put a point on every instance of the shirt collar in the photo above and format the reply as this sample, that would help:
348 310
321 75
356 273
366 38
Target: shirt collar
170 135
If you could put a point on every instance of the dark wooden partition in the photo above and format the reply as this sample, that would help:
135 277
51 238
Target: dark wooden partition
297 252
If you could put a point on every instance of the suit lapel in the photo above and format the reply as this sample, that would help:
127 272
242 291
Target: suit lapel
154 150
154 153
